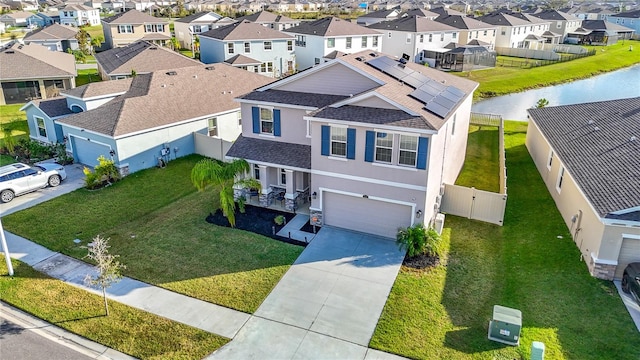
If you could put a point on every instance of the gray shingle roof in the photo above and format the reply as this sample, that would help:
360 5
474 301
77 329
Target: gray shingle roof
197 16
463 22
133 16
100 88
35 61
594 143
53 107
293 98
331 26
245 30
551 14
141 56
239 60
371 115
274 152
412 24
52 32
267 17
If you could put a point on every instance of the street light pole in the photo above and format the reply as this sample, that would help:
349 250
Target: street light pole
7 256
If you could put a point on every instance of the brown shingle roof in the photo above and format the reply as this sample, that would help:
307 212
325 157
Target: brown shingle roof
35 61
331 26
142 57
99 88
133 17
160 99
413 24
53 32
267 17
245 30
240 59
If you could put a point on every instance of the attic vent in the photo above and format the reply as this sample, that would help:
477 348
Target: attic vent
360 58
172 73
163 85
373 54
210 67
153 48
195 76
19 46
9 52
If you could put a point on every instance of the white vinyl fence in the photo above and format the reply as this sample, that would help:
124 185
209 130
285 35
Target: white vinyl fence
211 147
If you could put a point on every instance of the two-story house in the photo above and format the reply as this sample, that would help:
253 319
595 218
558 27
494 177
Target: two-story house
132 25
271 20
517 30
316 39
412 35
367 139
56 37
375 17
630 19
471 29
561 25
78 15
250 46
189 27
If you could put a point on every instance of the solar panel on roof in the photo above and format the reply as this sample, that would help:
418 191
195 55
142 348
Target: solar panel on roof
454 90
396 72
422 96
444 102
437 109
415 79
381 63
451 96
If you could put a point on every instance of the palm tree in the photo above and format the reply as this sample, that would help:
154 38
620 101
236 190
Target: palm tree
222 176
96 42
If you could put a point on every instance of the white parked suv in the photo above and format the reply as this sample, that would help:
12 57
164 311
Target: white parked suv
17 179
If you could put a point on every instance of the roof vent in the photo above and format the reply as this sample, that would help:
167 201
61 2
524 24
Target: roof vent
596 129
195 76
633 138
359 58
591 122
153 48
9 52
163 85
210 67
373 54
171 73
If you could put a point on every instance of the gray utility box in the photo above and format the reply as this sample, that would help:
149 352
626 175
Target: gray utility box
506 325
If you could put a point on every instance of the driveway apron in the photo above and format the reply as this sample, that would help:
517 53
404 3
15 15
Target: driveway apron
327 305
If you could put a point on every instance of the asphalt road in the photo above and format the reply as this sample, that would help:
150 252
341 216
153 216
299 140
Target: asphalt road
17 342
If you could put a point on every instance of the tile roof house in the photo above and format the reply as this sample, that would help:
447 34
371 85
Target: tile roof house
188 27
368 151
250 46
56 37
132 25
589 157
316 39
412 35
137 120
516 30
78 14
34 72
141 57
271 20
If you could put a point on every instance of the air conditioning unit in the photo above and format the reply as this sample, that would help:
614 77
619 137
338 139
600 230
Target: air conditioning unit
439 223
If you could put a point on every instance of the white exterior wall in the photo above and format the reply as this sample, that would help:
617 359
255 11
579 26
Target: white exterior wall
515 35
316 48
396 43
77 18
485 35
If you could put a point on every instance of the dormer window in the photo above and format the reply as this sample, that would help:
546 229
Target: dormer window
76 108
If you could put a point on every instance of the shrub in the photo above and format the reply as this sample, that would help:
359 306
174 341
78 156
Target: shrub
279 220
419 240
105 173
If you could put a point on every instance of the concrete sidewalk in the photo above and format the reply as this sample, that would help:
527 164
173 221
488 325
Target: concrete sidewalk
199 314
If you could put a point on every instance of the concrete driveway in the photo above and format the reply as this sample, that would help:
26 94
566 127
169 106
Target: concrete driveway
631 305
327 305
74 181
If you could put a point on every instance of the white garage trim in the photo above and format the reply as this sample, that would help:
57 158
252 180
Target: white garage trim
629 252
86 139
369 180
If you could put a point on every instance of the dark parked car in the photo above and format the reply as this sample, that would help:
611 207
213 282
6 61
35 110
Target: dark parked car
631 281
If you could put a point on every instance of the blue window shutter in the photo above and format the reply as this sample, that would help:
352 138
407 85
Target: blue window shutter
423 147
351 143
255 114
326 140
370 146
276 122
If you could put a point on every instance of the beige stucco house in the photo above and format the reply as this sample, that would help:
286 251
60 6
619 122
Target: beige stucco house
589 157
367 139
132 25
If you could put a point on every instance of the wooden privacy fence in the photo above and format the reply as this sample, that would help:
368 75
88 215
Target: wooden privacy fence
479 204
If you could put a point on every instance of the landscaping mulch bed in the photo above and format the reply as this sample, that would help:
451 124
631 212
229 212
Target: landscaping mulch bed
309 228
256 220
421 262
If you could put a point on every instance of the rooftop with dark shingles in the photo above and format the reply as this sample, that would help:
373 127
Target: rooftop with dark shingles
272 152
293 98
371 115
594 143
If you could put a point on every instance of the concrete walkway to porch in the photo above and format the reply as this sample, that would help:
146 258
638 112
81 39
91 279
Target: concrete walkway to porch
327 305
292 229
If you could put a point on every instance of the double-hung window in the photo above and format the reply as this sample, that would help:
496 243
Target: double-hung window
42 129
349 43
331 43
364 42
560 179
266 121
230 48
267 45
213 126
375 41
256 172
247 47
384 147
408 150
289 45
338 141
283 177
550 160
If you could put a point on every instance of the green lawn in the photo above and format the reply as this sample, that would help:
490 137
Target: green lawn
86 76
94 31
503 80
156 222
444 313
126 329
482 162
15 120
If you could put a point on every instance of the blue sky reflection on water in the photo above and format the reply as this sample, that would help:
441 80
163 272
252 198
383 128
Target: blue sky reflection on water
624 83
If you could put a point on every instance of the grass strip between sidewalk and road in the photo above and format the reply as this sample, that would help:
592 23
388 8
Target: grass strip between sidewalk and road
530 264
155 219
126 329
505 80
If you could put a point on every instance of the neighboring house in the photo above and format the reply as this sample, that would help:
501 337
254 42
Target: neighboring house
589 157
271 20
79 15
412 35
132 25
630 19
561 25
43 19
378 16
138 120
316 39
16 18
187 28
265 51
517 30
34 72
140 57
471 29
56 37
602 32
370 152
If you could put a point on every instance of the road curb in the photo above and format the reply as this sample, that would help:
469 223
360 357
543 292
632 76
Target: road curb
59 335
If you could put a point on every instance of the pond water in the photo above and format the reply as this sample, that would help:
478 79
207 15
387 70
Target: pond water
619 84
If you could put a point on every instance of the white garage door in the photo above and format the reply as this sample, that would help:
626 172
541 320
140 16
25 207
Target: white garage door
629 252
87 152
365 215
